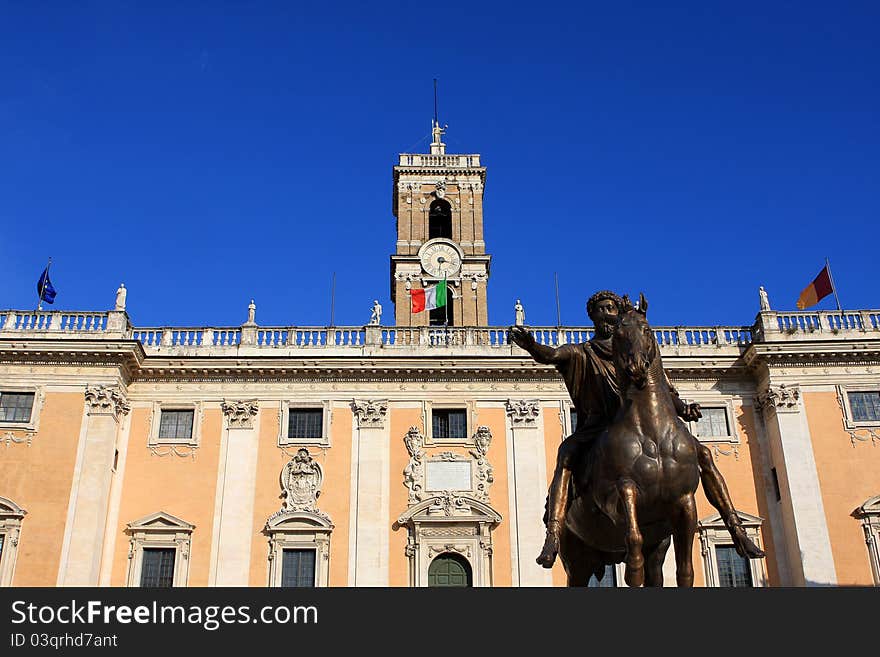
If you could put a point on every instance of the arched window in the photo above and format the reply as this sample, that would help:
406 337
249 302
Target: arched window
440 220
450 569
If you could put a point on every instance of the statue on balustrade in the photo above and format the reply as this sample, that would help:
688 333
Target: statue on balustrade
120 297
765 301
376 315
519 314
603 377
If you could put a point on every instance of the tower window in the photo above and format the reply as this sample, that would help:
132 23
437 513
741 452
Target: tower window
440 220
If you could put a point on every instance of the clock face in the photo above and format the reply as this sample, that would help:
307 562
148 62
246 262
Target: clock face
439 258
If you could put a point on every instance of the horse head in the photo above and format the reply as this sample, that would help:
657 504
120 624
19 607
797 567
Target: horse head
635 346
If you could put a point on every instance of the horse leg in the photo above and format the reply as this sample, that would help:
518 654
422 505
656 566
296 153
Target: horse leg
634 574
716 493
577 558
654 563
684 528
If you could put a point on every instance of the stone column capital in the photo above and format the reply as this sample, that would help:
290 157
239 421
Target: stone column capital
782 398
522 412
107 400
240 414
370 413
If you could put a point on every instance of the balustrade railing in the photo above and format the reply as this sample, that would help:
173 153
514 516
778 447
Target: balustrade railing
771 325
452 161
821 321
67 321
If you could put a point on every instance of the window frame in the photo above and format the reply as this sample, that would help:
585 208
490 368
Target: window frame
314 550
849 420
195 439
713 533
284 409
869 516
11 517
469 409
32 425
298 530
159 530
154 548
726 404
730 546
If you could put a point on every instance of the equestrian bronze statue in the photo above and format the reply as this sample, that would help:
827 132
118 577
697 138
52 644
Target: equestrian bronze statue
624 482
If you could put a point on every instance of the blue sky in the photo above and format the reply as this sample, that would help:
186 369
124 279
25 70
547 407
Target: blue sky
206 154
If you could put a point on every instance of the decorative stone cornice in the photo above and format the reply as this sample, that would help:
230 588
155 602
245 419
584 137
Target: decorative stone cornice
783 398
370 414
240 414
522 412
107 400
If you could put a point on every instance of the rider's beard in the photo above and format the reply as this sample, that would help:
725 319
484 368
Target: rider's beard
605 329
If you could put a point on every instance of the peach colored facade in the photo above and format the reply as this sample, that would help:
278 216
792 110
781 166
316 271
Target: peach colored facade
96 483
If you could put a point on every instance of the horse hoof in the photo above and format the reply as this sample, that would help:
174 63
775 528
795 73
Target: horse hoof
744 545
634 577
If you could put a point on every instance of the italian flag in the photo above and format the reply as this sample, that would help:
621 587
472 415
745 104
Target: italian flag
428 298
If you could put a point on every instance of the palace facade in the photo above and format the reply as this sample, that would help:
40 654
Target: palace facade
405 455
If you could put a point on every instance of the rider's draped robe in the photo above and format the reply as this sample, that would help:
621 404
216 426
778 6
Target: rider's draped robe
589 375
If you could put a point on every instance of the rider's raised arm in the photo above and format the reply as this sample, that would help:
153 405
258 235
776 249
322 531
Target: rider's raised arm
542 353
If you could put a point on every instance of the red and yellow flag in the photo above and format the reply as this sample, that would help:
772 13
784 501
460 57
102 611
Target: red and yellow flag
817 290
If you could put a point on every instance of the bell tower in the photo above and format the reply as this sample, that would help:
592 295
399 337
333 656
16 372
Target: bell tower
438 203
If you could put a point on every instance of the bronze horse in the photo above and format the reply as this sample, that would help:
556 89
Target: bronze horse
635 487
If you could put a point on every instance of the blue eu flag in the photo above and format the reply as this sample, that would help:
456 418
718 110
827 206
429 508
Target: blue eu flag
44 287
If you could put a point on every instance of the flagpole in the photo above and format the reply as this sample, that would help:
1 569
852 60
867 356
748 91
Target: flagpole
332 296
558 316
446 308
43 286
833 286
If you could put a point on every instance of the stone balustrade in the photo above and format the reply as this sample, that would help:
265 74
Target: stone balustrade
770 326
775 326
445 161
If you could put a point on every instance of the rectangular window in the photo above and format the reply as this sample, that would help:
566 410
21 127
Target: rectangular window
157 570
573 415
305 423
450 423
733 570
16 406
712 424
608 581
865 406
1 545
176 425
298 568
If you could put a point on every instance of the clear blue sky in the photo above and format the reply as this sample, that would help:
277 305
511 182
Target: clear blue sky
209 153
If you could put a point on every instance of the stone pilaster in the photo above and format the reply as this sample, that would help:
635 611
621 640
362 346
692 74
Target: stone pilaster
528 490
370 518
807 542
238 471
105 407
